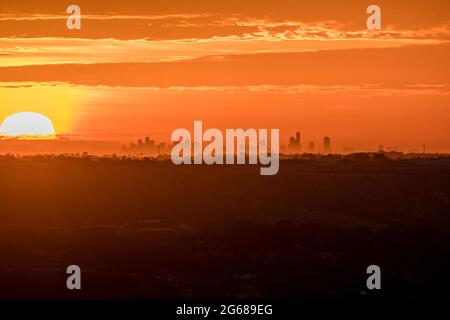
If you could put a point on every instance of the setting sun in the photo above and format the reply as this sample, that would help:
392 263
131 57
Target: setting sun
28 125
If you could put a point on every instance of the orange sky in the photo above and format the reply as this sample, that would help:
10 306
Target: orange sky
148 67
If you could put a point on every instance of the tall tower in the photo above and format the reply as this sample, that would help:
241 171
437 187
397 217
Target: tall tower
326 144
297 137
294 143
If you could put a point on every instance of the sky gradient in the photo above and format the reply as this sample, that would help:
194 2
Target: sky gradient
146 68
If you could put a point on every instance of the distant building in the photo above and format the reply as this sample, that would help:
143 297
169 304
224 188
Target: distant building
162 148
141 146
311 147
291 142
326 145
294 143
145 147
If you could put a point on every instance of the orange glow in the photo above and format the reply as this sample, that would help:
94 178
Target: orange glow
147 70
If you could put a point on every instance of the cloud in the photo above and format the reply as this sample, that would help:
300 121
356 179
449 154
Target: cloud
206 26
364 90
305 38
43 17
391 67
402 12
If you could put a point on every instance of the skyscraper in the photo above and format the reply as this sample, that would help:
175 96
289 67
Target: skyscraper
326 144
294 143
141 145
291 142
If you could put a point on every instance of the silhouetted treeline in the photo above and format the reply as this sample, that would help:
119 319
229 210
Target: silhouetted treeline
145 228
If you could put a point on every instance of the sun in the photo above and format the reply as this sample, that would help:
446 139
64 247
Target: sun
27 125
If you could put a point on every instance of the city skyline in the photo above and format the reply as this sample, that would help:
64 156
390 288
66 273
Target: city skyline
68 144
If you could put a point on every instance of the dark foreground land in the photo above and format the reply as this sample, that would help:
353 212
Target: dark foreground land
149 229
